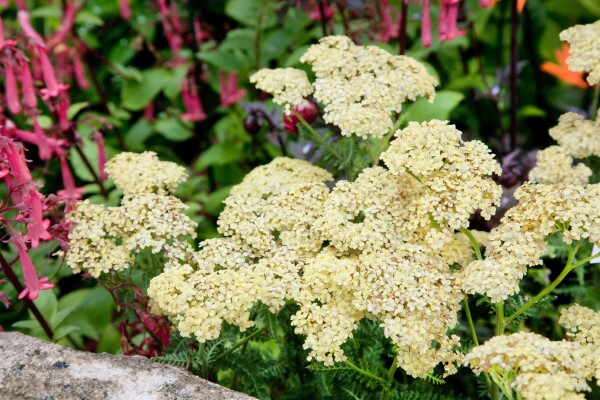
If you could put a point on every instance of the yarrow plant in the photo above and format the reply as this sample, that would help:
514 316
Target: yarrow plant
392 245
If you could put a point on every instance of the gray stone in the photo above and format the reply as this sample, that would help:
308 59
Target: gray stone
33 369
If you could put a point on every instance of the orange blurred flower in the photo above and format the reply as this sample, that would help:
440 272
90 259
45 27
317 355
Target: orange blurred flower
520 4
561 70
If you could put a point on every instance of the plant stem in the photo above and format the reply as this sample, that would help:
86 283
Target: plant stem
474 243
365 373
403 25
514 58
568 268
29 303
242 342
318 138
322 17
470 321
87 163
594 105
500 319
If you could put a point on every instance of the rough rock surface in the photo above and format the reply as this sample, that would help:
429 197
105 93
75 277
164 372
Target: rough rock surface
33 369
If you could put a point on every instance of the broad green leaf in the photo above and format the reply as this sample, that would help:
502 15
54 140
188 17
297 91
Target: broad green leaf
47 11
592 6
219 154
87 17
75 108
213 204
58 318
137 95
64 331
172 129
229 61
252 12
172 87
445 101
238 39
46 303
137 134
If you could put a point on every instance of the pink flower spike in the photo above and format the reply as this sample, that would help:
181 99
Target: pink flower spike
36 228
28 87
443 21
125 9
426 25
23 17
33 284
79 72
230 93
11 90
99 139
4 172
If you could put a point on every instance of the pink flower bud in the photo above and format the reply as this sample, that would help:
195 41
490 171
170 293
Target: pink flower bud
28 87
125 10
70 193
62 111
23 17
99 139
52 88
36 227
33 284
193 105
11 91
66 25
230 93
426 25
79 72
149 112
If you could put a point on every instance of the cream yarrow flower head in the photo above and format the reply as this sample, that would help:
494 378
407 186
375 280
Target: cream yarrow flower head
579 137
537 368
105 239
583 327
135 173
554 165
289 86
360 86
585 49
520 240
456 176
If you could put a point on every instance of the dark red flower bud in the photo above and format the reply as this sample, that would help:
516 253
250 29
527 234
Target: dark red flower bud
252 123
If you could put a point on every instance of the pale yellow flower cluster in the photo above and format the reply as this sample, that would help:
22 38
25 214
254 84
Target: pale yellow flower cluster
584 41
455 175
534 366
289 86
519 241
579 137
583 327
555 165
135 173
104 239
342 256
361 85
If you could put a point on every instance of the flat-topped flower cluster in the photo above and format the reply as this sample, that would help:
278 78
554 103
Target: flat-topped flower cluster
366 249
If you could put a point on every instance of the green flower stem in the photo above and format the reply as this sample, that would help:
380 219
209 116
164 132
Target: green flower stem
366 373
594 105
500 319
318 138
474 243
470 321
242 342
568 268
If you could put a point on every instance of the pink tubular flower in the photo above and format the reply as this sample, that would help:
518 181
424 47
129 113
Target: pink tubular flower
15 156
44 150
230 93
70 193
11 91
149 112
99 139
426 25
28 87
125 10
36 226
66 25
33 284
79 72
62 111
193 105
40 140
389 29
52 87
485 3
23 17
